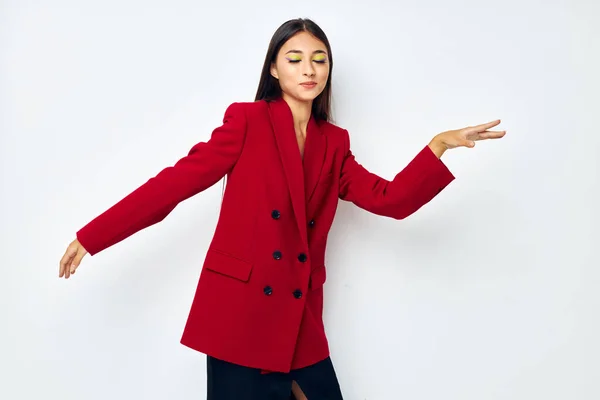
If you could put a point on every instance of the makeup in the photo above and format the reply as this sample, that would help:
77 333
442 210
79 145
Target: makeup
293 58
320 58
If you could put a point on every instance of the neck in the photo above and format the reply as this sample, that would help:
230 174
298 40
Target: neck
301 111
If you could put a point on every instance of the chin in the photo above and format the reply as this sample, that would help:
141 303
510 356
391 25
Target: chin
303 96
308 96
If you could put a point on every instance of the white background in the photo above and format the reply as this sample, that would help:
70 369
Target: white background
488 292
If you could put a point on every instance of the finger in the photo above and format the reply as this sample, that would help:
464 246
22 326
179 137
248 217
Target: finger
66 260
75 249
77 260
70 268
492 134
467 143
483 127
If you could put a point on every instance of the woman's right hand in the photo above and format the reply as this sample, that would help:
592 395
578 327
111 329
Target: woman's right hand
71 260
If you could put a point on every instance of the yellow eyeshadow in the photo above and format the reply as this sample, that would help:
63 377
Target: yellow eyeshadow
295 57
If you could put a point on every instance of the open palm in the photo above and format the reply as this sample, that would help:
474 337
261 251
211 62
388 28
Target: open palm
468 136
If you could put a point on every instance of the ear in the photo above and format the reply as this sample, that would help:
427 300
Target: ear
274 73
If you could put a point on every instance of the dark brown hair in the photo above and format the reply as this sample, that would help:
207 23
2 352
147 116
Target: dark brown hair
268 87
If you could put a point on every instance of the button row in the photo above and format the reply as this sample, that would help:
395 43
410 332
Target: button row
277 255
268 290
276 214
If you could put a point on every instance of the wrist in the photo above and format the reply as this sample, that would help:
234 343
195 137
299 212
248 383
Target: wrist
437 146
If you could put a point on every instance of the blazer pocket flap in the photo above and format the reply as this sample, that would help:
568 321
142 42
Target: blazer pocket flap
317 277
227 265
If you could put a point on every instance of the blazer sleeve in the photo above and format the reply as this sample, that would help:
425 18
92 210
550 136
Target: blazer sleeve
205 164
414 186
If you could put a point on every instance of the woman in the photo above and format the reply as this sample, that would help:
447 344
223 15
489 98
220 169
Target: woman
257 310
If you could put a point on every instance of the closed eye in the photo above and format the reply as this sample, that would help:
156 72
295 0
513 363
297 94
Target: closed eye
317 61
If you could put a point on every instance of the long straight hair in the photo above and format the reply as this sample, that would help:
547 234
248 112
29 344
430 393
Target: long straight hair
268 87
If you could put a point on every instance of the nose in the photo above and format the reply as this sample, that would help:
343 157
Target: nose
309 71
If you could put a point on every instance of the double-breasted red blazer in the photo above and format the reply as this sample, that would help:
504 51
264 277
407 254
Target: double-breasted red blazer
259 299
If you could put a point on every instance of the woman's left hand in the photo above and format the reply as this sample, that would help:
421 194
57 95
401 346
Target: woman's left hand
465 137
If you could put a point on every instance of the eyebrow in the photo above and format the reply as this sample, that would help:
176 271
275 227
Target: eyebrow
314 52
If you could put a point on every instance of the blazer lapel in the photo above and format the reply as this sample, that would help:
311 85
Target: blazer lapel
282 122
315 148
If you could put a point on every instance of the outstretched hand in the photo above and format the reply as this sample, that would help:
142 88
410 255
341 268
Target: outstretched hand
71 259
465 137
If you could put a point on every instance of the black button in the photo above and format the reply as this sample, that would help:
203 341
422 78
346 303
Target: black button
311 223
275 214
302 257
298 293
268 290
277 255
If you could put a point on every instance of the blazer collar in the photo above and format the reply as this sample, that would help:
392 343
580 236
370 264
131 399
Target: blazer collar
302 176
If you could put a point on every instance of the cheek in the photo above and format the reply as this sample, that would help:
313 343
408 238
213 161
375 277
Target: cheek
322 84
324 72
287 77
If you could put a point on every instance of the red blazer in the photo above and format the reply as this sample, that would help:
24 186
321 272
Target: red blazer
259 299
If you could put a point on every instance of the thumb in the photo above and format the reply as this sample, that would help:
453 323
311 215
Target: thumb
77 259
468 143
67 258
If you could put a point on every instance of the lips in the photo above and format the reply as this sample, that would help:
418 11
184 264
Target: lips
309 84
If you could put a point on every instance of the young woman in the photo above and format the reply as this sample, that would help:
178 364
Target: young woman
257 310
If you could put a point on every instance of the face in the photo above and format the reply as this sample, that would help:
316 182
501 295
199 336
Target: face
302 67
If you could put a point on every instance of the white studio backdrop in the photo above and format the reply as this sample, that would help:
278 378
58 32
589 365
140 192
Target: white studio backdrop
488 292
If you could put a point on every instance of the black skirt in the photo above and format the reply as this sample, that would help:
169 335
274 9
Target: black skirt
227 381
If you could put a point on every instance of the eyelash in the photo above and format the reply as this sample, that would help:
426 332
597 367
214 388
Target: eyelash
317 61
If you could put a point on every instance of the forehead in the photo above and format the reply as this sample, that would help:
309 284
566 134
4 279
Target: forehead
304 42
